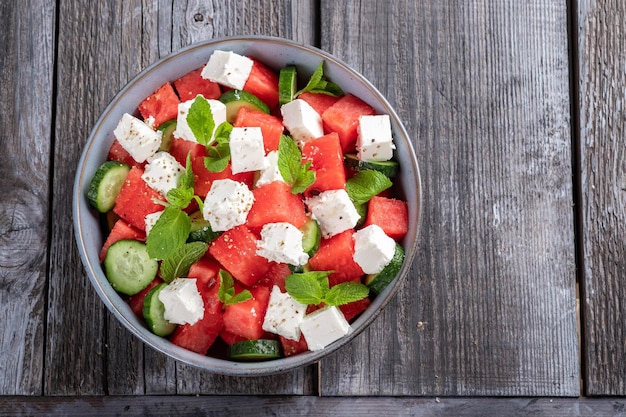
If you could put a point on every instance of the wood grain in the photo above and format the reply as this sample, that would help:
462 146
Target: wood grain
490 305
290 406
26 101
602 73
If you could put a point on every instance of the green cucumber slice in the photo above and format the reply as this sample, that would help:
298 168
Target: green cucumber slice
255 350
236 99
106 184
128 267
378 282
311 237
201 229
388 168
287 84
167 128
154 313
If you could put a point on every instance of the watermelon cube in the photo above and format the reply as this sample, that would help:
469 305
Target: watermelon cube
235 250
320 102
136 200
162 105
191 84
343 118
263 83
327 161
246 319
336 254
274 203
390 214
271 126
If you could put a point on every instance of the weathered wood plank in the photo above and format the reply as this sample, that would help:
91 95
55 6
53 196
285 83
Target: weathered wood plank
601 97
26 71
490 307
88 351
310 406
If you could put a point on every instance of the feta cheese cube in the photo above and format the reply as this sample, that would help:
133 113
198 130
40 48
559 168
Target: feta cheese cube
284 315
282 242
227 204
182 301
246 149
228 68
137 138
151 219
183 131
334 211
324 326
270 172
373 249
302 121
162 172
374 140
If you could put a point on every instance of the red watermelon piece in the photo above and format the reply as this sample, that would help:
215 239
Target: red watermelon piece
274 203
136 200
343 118
191 84
120 231
327 161
246 319
271 126
390 214
162 105
263 83
320 102
336 254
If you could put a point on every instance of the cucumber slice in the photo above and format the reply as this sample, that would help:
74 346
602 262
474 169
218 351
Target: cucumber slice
106 184
287 84
236 99
311 237
154 313
378 282
167 128
201 229
128 267
255 350
388 168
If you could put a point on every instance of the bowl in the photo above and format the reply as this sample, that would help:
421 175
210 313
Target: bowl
276 53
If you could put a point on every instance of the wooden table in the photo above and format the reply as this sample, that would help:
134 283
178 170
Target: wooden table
516 302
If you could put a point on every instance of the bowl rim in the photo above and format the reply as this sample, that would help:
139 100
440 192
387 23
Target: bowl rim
208 363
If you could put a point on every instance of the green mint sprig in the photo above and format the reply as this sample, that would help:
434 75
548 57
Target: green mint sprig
365 185
200 120
226 293
313 288
178 264
168 233
319 84
219 150
294 171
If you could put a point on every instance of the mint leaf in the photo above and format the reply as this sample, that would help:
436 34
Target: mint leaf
187 179
219 151
169 233
345 293
365 185
226 293
319 84
181 260
307 287
294 171
200 120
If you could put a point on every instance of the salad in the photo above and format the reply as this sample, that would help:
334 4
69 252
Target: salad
247 216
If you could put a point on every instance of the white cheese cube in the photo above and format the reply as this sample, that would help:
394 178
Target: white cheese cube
137 138
183 131
228 68
182 301
302 121
227 204
373 249
246 149
324 326
151 219
334 211
374 140
162 172
282 243
284 315
270 172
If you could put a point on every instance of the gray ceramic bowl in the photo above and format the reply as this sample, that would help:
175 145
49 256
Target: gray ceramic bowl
276 53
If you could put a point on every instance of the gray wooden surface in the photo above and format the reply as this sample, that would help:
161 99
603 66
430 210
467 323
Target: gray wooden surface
516 113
